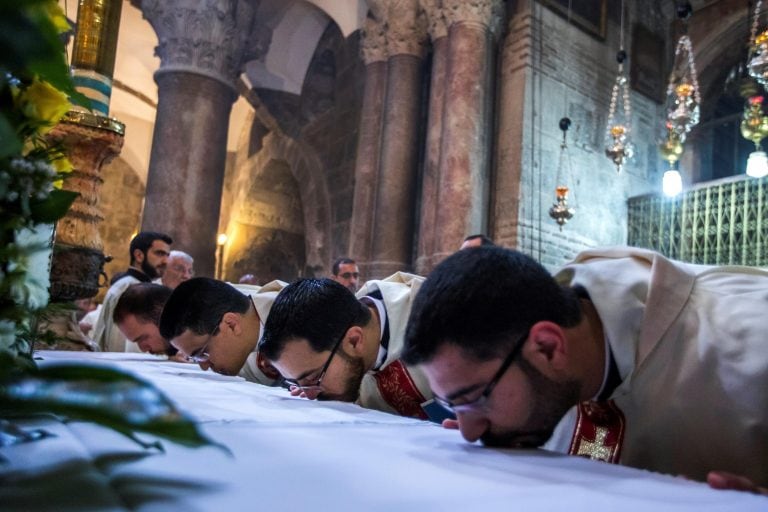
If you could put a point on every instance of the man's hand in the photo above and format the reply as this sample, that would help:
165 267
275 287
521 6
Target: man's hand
729 481
451 424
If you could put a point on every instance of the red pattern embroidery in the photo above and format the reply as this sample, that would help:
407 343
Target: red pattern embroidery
599 431
399 391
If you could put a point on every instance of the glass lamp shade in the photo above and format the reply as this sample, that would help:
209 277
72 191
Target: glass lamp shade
672 183
757 164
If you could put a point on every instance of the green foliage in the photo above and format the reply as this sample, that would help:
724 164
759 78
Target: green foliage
36 90
111 398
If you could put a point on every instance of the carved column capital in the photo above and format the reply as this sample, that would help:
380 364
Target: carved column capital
486 13
405 26
373 43
437 25
205 37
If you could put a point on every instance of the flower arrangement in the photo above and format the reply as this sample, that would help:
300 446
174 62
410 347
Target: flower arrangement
36 91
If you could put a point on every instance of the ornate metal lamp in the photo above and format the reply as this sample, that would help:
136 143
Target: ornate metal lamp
560 211
683 100
619 148
754 127
757 63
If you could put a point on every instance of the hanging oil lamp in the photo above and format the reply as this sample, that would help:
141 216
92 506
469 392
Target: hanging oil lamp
560 211
757 63
683 101
619 148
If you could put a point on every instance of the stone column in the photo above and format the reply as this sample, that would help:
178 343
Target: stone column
395 195
464 167
374 54
200 48
438 32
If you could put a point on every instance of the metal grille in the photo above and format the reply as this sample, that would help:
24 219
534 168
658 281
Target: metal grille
719 223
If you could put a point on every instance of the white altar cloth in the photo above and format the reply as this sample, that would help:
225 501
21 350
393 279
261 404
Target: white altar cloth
291 454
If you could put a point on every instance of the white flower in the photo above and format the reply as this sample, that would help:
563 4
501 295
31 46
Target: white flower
35 249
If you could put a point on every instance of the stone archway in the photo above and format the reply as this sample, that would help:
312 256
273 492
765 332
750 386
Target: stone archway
279 224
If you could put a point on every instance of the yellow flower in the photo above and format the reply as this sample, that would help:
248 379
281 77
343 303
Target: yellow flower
61 164
43 102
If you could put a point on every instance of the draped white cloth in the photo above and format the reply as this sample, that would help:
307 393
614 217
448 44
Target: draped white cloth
291 454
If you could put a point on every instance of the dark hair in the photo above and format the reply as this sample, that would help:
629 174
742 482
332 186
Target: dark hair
484 240
339 262
317 310
198 305
143 300
143 241
481 301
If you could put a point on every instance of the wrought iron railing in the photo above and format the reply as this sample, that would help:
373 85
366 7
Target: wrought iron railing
723 222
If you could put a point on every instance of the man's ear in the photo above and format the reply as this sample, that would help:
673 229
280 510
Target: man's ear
548 347
138 255
233 322
354 339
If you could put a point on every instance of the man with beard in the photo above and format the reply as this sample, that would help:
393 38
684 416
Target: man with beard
330 345
149 255
624 356
217 325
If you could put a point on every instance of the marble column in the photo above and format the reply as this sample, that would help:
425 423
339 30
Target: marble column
374 54
464 166
438 32
200 47
394 217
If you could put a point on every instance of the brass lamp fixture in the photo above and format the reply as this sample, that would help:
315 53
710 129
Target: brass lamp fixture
757 63
560 211
619 148
754 123
683 101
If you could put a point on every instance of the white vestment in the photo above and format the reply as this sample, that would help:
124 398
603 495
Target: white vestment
691 346
395 388
105 332
263 298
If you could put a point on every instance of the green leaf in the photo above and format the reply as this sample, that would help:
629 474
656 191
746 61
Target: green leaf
53 208
9 142
106 396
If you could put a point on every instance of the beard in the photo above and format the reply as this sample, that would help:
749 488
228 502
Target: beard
356 372
148 269
551 400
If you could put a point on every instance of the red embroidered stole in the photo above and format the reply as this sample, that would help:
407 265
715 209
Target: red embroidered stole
399 391
599 431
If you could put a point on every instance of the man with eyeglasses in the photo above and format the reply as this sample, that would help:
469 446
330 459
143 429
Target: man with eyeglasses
330 345
217 326
345 272
624 356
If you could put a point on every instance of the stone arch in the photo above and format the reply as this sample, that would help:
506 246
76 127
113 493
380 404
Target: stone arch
291 212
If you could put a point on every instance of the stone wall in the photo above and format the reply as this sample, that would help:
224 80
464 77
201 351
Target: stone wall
548 70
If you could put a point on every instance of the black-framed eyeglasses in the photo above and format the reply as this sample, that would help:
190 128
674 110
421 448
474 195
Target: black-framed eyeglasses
482 399
315 386
201 355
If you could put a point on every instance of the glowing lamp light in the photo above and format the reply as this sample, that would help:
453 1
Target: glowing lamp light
221 239
672 183
757 164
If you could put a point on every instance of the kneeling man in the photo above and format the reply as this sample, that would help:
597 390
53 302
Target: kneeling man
330 345
217 326
137 315
624 356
